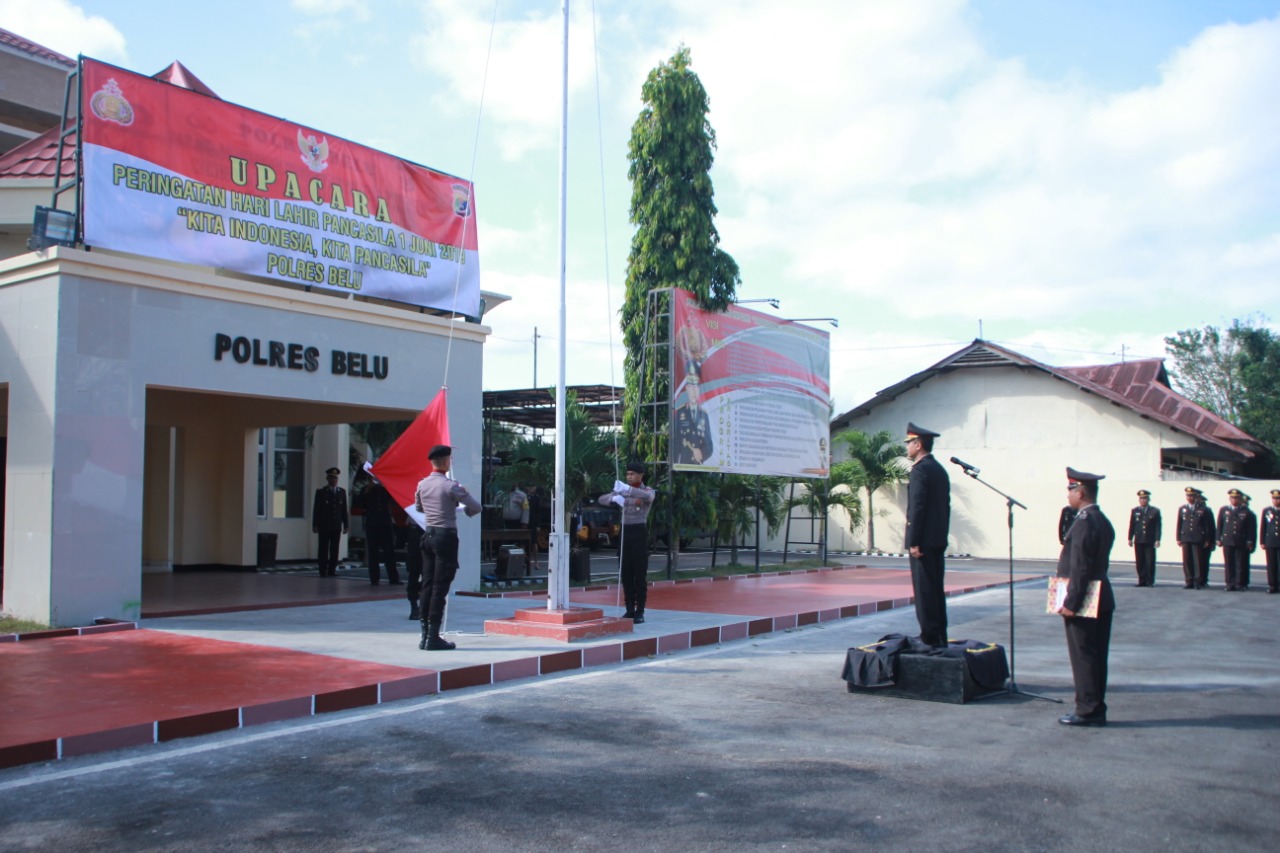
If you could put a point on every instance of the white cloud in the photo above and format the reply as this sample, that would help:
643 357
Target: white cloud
64 27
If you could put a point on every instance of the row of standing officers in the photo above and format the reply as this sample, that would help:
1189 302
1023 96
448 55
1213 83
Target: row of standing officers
1236 530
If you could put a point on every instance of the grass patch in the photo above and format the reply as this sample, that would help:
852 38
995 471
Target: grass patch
10 625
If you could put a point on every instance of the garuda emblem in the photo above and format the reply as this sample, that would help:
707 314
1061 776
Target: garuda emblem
315 152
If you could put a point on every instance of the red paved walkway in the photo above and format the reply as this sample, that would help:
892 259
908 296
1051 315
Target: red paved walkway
81 694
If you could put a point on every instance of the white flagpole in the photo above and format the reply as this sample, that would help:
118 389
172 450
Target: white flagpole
558 583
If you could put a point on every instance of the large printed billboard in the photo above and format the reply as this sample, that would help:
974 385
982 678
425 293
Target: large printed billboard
175 174
751 393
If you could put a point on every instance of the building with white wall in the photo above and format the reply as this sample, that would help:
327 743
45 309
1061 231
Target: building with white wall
159 416
1022 423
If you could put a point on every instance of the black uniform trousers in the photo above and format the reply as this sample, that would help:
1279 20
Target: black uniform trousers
413 560
1235 560
635 567
439 566
1144 556
1195 564
1273 569
930 595
1088 644
328 556
380 543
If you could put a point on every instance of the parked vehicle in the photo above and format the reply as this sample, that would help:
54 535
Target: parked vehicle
599 526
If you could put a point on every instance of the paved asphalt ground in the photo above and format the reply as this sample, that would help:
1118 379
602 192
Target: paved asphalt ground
753 745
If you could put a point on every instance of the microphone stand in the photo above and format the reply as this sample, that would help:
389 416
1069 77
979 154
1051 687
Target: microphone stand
1010 502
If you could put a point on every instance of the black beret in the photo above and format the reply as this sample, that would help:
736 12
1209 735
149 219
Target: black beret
637 467
440 450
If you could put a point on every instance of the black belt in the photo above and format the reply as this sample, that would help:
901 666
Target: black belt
442 530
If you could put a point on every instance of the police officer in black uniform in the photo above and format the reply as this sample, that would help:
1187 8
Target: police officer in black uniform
1196 534
1237 536
329 521
1253 525
1067 516
928 523
1145 528
379 533
1085 557
1270 539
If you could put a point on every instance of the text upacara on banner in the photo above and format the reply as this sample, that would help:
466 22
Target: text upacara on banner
175 174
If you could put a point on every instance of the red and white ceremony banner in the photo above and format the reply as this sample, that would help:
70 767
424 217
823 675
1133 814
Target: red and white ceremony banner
175 174
751 393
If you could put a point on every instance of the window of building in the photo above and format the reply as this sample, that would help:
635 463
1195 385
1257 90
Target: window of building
282 479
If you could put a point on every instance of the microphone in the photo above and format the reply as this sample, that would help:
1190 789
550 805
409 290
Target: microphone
971 470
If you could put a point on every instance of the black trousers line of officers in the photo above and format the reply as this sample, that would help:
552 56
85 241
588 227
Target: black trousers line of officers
1236 530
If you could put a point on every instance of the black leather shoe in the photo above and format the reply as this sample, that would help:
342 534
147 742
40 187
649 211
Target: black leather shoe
1076 720
638 618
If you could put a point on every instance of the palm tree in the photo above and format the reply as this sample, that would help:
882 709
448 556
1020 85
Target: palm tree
839 490
877 461
589 460
737 499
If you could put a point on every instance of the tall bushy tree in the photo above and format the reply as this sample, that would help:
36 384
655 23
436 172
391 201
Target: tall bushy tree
1206 369
877 461
675 244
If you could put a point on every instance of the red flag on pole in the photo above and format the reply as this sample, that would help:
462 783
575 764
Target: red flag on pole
405 463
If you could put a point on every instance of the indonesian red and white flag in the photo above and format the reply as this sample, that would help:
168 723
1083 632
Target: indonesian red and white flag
405 463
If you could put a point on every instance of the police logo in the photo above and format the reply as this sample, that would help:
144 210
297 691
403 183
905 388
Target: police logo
110 104
461 200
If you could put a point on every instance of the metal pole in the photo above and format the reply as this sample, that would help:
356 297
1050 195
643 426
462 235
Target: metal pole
757 522
558 565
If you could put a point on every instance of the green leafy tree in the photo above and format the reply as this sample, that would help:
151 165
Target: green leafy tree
877 461
1234 374
737 498
675 244
1206 369
589 460
1259 356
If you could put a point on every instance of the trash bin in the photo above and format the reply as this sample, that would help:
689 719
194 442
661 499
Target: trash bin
267 550
517 567
502 563
580 565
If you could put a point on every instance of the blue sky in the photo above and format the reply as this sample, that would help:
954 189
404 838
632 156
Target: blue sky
1077 179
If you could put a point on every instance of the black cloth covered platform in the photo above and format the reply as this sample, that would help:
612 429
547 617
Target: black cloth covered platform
904 667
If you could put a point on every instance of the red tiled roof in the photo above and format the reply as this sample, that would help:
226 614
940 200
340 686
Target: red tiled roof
17 42
35 157
1141 386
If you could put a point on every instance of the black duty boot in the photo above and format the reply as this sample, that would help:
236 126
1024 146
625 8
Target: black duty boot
422 643
434 642
414 615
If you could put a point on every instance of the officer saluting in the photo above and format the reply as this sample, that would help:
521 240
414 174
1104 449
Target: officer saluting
438 498
1145 528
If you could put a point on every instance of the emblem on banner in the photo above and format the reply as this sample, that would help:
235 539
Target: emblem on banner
315 152
110 104
461 200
